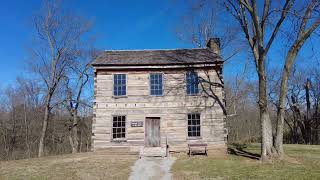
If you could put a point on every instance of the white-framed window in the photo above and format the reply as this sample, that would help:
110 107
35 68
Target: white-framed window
119 127
156 84
119 84
192 83
194 125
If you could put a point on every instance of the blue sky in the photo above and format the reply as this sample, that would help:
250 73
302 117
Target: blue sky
118 24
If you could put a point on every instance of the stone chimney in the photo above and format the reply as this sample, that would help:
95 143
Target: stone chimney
214 45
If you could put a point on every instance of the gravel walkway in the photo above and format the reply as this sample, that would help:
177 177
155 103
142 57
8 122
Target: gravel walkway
152 168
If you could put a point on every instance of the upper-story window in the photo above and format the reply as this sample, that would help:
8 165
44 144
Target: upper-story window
192 83
156 84
119 84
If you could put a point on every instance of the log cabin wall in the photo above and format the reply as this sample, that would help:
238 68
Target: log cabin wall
172 108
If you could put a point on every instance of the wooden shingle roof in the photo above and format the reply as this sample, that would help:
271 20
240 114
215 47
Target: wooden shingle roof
156 57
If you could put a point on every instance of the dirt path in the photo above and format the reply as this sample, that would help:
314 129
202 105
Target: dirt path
152 168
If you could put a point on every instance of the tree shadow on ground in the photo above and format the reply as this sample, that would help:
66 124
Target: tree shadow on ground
238 150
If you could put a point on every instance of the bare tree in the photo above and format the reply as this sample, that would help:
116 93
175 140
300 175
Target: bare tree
73 101
205 19
302 111
254 27
307 23
58 35
256 35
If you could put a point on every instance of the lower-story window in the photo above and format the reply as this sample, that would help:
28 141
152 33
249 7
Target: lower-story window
194 125
119 127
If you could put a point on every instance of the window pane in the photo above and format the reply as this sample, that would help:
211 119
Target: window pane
118 130
119 127
192 83
119 84
156 84
194 125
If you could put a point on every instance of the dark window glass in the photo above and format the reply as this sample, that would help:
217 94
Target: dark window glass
194 125
156 86
119 84
192 83
119 127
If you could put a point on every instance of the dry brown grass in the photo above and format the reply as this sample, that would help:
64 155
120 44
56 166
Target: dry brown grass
92 165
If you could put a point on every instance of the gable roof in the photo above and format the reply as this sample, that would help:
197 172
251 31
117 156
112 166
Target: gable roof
157 57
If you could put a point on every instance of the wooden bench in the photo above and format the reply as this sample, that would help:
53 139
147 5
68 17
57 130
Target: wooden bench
197 148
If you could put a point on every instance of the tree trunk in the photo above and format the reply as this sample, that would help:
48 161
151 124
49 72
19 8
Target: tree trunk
44 126
307 121
280 111
80 141
71 141
73 137
26 130
266 126
281 104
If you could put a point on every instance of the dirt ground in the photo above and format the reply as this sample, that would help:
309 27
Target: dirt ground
152 168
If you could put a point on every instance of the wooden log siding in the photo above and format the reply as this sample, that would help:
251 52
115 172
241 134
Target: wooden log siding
172 108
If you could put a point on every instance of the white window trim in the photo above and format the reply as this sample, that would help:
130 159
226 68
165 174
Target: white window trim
194 137
111 132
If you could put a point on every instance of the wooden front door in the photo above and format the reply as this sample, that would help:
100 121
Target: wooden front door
152 132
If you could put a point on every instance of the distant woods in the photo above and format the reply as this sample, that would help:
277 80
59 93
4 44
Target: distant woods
302 113
49 110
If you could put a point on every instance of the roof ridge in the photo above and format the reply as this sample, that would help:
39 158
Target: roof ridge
122 50
157 56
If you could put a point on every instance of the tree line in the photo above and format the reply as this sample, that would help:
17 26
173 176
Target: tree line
48 111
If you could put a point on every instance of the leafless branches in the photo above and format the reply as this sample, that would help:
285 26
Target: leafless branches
58 37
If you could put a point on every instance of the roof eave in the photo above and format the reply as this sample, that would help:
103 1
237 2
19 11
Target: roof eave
168 64
159 66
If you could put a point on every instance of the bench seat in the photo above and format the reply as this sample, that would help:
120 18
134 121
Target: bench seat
197 148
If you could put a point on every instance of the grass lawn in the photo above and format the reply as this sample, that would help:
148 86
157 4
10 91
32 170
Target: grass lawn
92 165
304 163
